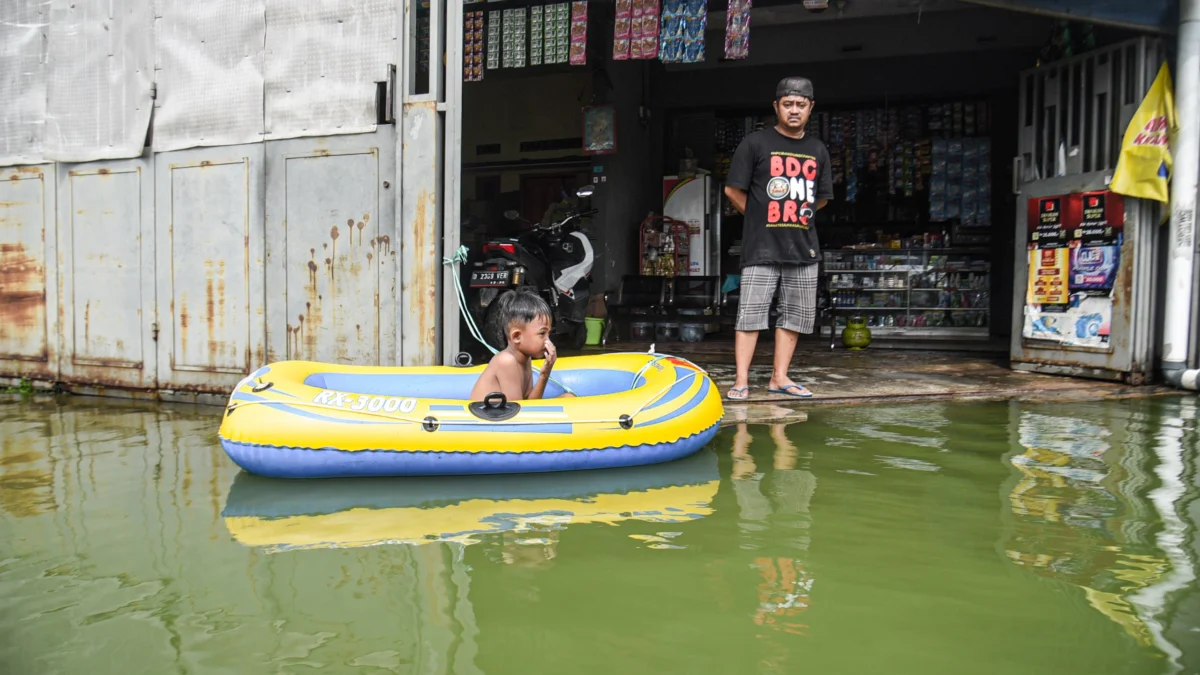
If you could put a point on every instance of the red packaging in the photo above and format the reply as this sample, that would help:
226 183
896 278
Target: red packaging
622 30
579 33
650 28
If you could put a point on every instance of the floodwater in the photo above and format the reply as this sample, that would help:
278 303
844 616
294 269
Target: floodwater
924 538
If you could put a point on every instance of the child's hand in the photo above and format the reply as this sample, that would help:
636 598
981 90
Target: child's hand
551 357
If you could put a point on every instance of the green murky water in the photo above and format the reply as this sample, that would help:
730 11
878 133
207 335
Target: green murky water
930 538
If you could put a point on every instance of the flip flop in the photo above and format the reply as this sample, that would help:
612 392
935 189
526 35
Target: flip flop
786 391
735 390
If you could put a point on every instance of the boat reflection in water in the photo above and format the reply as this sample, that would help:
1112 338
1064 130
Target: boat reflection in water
282 515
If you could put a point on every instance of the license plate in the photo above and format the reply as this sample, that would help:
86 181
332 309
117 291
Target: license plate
489 279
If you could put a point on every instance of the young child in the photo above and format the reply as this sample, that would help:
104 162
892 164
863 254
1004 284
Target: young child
525 320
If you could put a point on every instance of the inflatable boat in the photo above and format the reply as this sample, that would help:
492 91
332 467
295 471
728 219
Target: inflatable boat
302 419
348 513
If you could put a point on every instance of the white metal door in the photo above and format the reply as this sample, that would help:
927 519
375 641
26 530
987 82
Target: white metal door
330 258
106 245
28 268
209 223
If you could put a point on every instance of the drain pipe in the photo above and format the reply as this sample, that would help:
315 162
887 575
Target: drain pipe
1181 249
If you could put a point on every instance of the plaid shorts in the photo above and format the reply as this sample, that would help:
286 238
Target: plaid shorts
797 286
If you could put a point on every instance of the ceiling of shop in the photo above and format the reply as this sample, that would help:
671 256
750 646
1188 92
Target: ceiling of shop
781 12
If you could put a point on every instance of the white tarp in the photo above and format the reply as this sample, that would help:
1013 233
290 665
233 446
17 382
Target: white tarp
23 26
210 78
322 63
99 75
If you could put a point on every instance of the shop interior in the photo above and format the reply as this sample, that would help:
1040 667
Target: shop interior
915 100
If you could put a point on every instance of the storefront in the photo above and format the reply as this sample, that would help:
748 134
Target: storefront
920 105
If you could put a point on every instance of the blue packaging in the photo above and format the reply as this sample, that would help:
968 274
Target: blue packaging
1094 268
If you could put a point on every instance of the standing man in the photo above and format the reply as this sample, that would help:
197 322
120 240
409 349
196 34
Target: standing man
778 179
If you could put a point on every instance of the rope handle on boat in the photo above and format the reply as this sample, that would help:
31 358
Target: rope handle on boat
459 257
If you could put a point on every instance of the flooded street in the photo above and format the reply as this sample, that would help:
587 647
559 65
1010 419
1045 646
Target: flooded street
920 538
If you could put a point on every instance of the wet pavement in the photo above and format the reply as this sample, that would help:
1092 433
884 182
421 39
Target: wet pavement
892 375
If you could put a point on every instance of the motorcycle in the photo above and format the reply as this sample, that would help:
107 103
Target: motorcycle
553 260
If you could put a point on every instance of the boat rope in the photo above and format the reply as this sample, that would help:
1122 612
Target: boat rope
460 257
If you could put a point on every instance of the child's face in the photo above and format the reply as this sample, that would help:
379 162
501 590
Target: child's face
531 338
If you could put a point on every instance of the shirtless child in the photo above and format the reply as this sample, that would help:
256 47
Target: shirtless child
525 319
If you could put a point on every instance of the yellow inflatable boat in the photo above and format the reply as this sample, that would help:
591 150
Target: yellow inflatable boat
347 513
300 419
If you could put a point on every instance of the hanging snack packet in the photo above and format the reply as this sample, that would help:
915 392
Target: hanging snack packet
536 24
650 28
697 23
563 31
635 30
494 41
622 30
737 30
579 33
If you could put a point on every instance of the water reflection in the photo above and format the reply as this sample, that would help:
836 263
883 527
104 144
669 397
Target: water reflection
1081 514
785 585
526 510
944 538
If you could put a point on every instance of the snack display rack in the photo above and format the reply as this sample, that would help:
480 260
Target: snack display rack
663 246
932 292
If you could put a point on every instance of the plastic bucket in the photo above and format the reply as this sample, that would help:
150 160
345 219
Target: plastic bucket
641 331
594 328
668 331
691 332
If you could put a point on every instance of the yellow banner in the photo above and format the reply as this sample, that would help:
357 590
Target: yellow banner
1144 165
1048 276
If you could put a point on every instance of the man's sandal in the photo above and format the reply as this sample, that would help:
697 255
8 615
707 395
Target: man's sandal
793 391
743 393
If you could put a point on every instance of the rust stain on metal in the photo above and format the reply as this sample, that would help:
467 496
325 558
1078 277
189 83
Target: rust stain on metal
104 172
205 164
385 244
422 272
221 294
184 319
211 304
87 322
22 291
369 256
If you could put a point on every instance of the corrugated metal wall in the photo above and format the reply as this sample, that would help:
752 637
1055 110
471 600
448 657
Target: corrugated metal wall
181 260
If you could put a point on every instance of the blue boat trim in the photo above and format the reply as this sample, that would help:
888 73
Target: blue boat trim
287 462
683 382
483 427
457 386
684 409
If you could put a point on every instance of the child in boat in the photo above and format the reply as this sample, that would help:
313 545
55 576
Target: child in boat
525 319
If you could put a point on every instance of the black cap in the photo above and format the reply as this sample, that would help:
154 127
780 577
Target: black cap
794 86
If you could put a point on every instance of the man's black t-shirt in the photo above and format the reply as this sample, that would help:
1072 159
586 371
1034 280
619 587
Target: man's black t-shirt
784 178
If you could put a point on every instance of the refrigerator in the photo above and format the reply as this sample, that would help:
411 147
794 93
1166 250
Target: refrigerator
693 200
